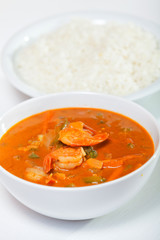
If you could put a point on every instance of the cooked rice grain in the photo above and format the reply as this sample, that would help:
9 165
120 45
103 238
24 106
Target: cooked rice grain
113 58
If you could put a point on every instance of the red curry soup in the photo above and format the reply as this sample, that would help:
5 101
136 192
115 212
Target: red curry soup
74 147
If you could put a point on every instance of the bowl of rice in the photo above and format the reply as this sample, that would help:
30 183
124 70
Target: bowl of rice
91 51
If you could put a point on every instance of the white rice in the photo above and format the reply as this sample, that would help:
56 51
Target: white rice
113 58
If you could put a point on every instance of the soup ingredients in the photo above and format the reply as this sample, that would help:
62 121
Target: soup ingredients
94 163
35 174
116 174
33 155
90 152
117 162
77 134
112 57
64 158
94 179
34 149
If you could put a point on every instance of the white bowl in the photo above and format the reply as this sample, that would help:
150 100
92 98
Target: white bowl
80 202
30 33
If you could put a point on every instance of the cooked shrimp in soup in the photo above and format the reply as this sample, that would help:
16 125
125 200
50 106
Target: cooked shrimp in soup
75 147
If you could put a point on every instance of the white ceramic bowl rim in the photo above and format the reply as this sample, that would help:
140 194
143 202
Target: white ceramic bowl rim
85 188
10 48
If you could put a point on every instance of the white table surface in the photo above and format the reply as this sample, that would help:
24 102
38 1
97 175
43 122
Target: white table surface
140 218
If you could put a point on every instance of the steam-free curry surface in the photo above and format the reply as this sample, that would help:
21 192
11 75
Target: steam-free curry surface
33 150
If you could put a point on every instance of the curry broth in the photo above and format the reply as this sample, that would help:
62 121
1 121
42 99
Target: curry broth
126 137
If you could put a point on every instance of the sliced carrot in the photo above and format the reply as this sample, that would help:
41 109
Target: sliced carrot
50 179
116 174
113 163
117 162
47 163
60 176
94 163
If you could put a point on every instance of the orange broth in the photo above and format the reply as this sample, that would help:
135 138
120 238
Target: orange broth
126 137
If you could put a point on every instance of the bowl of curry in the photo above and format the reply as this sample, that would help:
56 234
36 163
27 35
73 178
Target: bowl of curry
77 155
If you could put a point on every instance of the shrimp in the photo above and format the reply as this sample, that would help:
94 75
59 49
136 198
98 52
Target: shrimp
35 173
65 158
78 134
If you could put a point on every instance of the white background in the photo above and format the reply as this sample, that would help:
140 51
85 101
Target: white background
140 218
